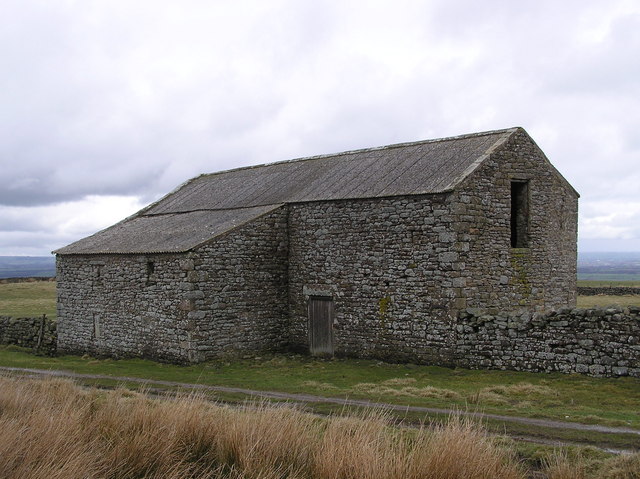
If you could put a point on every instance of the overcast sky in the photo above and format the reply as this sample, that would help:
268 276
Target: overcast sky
107 105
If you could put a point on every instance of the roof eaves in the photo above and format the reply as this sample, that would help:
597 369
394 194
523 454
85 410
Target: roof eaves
175 250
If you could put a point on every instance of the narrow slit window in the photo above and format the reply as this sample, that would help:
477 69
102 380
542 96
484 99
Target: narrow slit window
519 214
151 269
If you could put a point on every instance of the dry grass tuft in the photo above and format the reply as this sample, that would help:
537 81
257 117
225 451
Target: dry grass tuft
460 449
558 466
54 430
523 389
516 395
625 466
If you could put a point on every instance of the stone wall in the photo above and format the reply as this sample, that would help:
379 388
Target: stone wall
390 265
36 333
29 279
541 276
400 269
122 305
224 297
597 342
607 291
238 298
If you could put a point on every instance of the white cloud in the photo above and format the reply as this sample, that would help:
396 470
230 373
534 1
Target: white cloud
129 99
41 229
610 220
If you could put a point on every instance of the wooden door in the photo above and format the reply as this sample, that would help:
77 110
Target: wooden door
321 311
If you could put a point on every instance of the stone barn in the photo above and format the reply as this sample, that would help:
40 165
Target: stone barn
371 253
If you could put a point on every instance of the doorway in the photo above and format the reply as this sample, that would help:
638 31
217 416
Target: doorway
321 314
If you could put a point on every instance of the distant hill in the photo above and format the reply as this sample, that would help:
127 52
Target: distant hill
609 266
27 266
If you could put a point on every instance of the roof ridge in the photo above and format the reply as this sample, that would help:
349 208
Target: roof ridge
363 150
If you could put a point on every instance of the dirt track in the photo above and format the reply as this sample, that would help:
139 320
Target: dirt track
309 399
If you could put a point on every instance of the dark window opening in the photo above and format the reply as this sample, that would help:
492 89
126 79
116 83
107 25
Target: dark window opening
151 268
519 214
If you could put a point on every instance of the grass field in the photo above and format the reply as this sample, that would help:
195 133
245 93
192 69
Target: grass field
28 299
604 283
614 402
610 278
601 301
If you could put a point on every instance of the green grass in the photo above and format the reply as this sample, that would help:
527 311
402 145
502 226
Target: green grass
576 398
28 299
602 301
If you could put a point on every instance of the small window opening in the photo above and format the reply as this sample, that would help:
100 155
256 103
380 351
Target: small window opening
519 214
151 268
96 333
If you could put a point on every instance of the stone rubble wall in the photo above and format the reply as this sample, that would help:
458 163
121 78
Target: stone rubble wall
391 267
224 298
236 300
122 305
540 277
27 279
607 291
597 342
400 269
40 333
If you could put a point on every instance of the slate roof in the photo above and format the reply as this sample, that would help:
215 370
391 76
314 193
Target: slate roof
432 166
170 233
212 204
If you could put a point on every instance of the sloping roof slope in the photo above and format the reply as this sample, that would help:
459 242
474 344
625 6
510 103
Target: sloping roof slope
423 167
170 233
212 204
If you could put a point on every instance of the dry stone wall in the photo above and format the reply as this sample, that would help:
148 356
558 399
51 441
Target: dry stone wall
123 305
36 333
607 291
390 265
400 269
597 342
540 277
236 300
225 297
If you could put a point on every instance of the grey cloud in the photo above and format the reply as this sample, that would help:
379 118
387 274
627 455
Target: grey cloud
604 68
133 98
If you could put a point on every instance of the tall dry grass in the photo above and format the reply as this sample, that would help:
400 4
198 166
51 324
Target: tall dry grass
53 429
